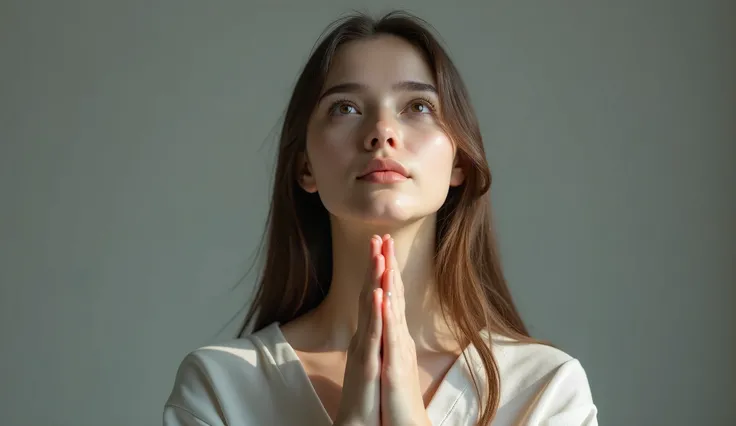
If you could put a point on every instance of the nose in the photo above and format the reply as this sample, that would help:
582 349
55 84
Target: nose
381 135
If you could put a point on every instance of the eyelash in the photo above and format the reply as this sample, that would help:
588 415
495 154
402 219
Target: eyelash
427 102
339 102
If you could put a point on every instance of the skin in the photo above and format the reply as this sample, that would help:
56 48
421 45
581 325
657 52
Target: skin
382 295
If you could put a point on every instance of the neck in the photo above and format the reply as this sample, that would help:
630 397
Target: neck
337 316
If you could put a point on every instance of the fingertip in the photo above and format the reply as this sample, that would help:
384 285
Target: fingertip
375 245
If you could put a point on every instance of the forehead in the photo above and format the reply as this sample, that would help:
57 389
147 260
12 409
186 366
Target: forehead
378 61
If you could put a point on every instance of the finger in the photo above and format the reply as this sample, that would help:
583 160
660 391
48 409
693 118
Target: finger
365 300
397 284
394 263
376 243
387 282
375 271
369 271
389 323
398 301
375 279
375 328
386 248
388 285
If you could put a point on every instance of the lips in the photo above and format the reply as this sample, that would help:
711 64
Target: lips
383 177
384 170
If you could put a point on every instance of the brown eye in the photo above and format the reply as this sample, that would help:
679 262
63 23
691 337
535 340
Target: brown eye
421 106
346 109
342 108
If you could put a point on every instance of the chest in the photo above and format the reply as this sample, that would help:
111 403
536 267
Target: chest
326 371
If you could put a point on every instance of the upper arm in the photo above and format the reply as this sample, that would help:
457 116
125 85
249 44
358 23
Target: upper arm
567 399
178 416
193 400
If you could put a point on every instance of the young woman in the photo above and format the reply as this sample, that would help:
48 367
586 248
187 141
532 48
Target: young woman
382 301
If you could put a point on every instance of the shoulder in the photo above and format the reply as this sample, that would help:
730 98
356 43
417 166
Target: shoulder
247 357
240 352
524 363
542 382
221 380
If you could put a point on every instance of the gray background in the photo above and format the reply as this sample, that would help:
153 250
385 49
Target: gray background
137 143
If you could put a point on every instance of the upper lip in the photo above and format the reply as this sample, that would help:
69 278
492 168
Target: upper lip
384 165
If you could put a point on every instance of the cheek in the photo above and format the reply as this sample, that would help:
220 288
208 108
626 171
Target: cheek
330 153
435 154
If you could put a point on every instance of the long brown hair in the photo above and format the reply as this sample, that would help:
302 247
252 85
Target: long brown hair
298 265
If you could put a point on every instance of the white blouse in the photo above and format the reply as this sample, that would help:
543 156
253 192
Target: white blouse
258 380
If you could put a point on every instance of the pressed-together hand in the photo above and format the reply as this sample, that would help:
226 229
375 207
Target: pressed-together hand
401 396
361 394
381 384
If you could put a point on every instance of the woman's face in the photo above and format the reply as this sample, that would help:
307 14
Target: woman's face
379 102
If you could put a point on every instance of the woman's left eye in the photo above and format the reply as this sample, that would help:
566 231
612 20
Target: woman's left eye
420 107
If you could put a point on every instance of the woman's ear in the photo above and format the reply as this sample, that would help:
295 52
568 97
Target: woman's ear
306 178
457 177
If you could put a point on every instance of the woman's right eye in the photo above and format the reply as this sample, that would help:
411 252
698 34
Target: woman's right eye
343 108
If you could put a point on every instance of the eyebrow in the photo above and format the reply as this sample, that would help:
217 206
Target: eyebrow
403 86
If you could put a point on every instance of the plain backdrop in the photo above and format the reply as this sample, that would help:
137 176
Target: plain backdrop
137 143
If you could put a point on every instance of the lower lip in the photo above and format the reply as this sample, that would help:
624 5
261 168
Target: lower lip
384 177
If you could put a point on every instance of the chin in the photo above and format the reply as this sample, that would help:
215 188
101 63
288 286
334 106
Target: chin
387 220
387 217
384 210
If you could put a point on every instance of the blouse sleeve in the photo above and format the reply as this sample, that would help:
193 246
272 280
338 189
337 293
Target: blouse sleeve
193 401
567 399
178 416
